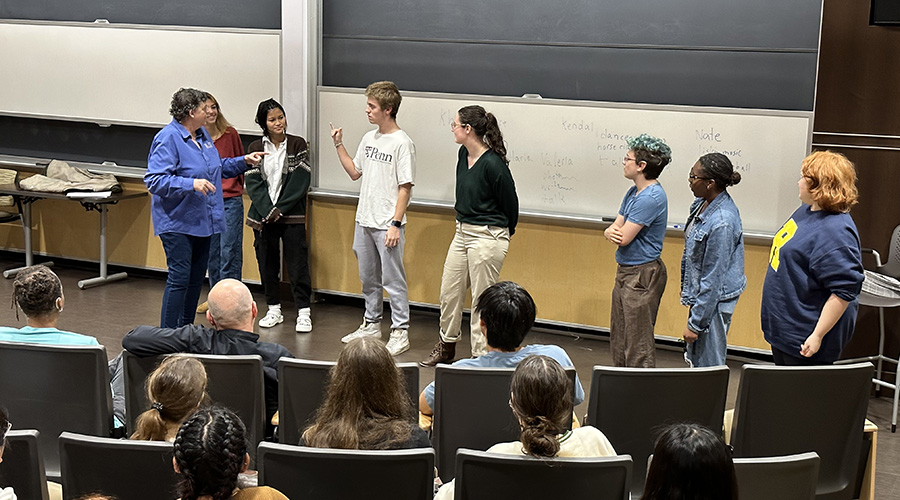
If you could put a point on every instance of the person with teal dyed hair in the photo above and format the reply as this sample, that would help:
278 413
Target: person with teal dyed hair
638 231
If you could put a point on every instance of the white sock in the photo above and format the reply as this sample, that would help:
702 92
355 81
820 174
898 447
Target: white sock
303 312
275 308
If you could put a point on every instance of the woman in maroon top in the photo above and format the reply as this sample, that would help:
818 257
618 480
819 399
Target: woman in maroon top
226 256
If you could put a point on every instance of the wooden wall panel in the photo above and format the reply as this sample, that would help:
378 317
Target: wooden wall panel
568 269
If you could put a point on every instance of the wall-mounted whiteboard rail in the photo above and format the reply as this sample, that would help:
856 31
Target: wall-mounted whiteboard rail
126 74
566 156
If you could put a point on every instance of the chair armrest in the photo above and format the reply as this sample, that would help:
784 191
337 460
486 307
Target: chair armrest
873 252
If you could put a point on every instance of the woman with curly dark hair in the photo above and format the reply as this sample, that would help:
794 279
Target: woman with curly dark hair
184 175
210 453
366 406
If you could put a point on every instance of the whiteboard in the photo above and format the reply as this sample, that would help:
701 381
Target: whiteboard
126 74
566 156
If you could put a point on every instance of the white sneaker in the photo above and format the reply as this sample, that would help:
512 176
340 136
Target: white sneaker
304 324
399 342
272 318
364 330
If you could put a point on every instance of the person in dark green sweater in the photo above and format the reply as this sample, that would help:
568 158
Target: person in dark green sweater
487 210
277 188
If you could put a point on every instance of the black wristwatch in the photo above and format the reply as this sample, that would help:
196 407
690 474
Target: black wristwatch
396 224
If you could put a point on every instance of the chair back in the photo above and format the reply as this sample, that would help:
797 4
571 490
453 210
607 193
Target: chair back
22 466
54 389
632 406
471 410
301 390
234 381
303 473
792 477
490 475
892 266
133 470
784 410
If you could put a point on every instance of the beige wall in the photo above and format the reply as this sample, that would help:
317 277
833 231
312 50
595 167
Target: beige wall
569 269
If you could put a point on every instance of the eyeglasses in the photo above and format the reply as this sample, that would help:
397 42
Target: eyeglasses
628 159
454 125
692 177
8 426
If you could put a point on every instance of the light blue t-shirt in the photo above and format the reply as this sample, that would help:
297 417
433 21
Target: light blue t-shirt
496 359
649 208
31 335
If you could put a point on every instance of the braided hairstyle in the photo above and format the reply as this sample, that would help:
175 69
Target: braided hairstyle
175 390
35 290
486 127
651 150
541 398
719 169
210 452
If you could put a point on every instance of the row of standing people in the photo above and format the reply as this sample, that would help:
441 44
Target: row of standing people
822 291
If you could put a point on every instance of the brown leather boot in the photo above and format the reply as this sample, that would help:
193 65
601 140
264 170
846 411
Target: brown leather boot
443 352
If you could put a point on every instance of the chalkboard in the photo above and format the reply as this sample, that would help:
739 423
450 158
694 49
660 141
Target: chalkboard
114 74
759 54
265 14
566 157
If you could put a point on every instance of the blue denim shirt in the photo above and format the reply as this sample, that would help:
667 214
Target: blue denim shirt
173 164
712 267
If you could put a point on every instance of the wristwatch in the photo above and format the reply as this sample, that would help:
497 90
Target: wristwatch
396 224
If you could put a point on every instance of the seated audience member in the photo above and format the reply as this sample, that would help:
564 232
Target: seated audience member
38 292
210 453
232 313
366 405
539 398
175 390
690 462
507 314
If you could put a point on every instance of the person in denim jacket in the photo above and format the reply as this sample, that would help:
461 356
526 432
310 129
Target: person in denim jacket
712 267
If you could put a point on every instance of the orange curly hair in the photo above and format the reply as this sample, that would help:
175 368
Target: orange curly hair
832 180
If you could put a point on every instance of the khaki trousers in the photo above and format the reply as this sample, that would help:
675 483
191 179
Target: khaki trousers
473 261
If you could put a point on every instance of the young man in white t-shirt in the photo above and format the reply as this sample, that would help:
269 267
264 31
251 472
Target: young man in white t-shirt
386 162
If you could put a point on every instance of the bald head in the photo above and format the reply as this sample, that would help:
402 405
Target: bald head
231 306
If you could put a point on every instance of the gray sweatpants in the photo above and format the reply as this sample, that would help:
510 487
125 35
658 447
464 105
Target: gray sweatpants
381 269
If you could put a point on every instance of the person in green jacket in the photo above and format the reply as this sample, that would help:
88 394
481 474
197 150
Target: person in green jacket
277 188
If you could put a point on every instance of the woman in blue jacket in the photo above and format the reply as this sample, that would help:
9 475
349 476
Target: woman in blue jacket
712 267
184 175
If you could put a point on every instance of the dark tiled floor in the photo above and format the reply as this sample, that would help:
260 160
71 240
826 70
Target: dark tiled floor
110 311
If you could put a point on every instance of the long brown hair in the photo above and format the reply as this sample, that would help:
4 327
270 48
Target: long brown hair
366 405
541 398
175 390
